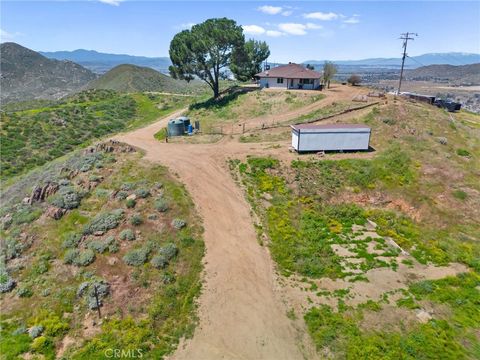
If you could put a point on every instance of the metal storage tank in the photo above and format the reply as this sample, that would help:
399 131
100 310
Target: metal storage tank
186 121
175 128
306 137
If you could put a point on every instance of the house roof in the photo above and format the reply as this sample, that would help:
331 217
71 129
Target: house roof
290 71
331 128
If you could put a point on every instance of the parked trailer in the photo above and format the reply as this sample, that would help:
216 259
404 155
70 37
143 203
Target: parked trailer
331 137
419 97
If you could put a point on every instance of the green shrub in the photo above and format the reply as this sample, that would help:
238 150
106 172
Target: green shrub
463 152
136 219
102 193
35 331
459 194
122 195
127 234
79 258
104 222
159 262
66 198
130 203
169 251
136 257
13 248
127 186
72 240
178 223
161 205
26 214
142 193
7 284
85 257
24 292
98 246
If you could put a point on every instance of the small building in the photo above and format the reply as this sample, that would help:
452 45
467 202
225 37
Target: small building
291 76
330 137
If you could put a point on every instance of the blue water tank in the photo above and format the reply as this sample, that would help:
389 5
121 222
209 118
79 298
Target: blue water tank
186 121
175 127
190 129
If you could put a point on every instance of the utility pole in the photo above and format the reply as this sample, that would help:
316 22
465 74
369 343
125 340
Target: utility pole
405 37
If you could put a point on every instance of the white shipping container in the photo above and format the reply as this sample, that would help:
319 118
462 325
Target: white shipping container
331 137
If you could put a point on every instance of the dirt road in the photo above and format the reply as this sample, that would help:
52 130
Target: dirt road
241 314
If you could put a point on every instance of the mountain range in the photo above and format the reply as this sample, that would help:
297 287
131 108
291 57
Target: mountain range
26 75
413 62
102 62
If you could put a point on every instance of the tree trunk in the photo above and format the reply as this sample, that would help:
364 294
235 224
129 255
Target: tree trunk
216 93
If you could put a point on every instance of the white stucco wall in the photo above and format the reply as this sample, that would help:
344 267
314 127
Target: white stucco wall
272 83
287 83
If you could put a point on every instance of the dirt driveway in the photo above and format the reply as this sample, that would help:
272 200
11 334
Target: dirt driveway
242 313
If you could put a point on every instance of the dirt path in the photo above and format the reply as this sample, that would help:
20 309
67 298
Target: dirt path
241 314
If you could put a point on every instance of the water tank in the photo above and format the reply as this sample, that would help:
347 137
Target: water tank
190 129
176 127
186 121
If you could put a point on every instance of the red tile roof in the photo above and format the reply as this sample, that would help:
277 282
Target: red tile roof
290 71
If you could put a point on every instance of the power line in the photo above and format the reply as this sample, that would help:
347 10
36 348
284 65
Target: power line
405 37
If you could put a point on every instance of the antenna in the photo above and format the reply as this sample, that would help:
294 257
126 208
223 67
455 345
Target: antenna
405 37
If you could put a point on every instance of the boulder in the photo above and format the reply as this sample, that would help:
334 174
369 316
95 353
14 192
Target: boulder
55 212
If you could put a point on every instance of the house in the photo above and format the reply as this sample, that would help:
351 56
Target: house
291 76
330 137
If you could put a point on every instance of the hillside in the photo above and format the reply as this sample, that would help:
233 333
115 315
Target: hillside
458 75
102 62
34 136
25 75
109 226
131 78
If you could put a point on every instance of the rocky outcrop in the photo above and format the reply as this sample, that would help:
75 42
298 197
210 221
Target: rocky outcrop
40 193
110 146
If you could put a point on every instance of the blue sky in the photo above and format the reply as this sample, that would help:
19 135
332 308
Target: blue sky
296 31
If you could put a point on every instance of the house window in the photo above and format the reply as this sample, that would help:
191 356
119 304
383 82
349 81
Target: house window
306 81
279 80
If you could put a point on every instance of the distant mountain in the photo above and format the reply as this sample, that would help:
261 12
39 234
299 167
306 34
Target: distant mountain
458 75
452 58
102 62
27 75
132 78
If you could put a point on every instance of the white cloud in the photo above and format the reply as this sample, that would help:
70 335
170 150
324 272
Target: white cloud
253 29
274 33
287 12
111 2
353 20
6 36
321 16
293 28
313 26
271 10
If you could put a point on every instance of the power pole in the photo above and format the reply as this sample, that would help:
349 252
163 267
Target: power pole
405 37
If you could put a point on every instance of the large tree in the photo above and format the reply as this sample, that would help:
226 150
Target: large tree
205 51
247 61
329 70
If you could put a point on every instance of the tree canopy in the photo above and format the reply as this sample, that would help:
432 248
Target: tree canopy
209 48
247 62
329 70
354 80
